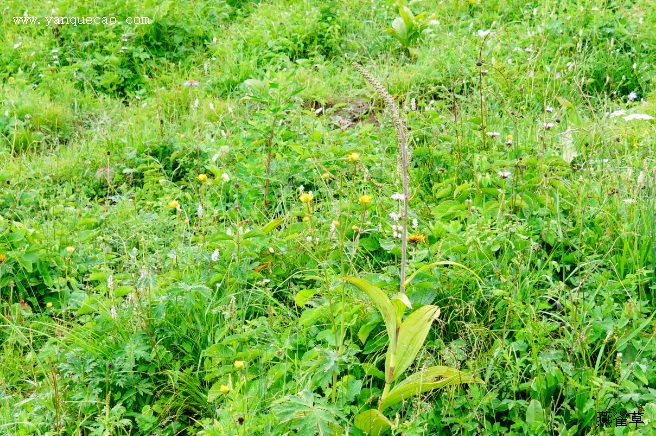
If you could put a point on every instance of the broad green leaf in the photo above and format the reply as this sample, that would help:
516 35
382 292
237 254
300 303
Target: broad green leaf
534 414
122 291
412 335
273 225
426 380
302 297
372 422
381 301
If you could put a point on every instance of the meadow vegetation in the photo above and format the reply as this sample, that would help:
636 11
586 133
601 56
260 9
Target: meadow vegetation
201 218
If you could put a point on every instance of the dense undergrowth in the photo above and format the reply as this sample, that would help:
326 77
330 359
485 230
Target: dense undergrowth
161 271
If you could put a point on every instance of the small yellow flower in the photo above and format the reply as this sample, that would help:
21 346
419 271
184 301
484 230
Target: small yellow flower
3 257
306 197
202 177
354 157
48 304
365 199
335 223
416 238
225 389
509 138
174 204
239 364
326 176
70 249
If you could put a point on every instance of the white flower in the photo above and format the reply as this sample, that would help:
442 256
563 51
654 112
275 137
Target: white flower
548 126
199 211
483 33
225 177
215 255
415 223
271 250
110 282
113 313
309 238
215 157
211 105
301 189
504 174
395 216
629 200
398 197
638 117
493 134
617 113
549 109
632 96
641 179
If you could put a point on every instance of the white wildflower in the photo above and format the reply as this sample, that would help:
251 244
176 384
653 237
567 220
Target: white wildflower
632 96
641 179
110 282
301 189
415 224
215 255
548 126
395 216
493 134
113 313
638 117
504 174
199 211
398 197
549 109
225 177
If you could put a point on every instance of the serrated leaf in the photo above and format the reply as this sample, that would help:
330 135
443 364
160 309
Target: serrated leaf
412 335
372 422
423 381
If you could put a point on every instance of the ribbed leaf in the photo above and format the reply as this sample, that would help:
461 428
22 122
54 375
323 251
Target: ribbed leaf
412 336
426 380
372 422
381 301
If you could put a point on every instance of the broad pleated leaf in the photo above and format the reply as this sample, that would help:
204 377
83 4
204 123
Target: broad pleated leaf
426 380
412 335
372 422
381 301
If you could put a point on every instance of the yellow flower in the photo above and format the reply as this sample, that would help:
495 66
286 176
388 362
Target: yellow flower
326 176
416 238
174 204
3 257
225 389
509 138
202 177
239 364
335 223
365 199
354 157
306 197
70 249
48 304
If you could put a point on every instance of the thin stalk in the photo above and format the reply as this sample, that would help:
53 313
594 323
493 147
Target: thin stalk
402 139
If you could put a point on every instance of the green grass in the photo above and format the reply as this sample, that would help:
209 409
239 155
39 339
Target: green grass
136 328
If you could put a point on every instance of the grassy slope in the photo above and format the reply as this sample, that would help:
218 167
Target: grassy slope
143 323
